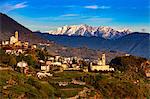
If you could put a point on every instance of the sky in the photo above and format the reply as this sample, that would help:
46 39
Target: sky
46 15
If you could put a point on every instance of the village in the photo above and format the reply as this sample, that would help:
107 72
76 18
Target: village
74 49
52 63
65 73
55 63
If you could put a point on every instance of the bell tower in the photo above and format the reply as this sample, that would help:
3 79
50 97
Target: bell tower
103 59
16 35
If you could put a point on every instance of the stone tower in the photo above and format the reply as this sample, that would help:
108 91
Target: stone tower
16 35
103 59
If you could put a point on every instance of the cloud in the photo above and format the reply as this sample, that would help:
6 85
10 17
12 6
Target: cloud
91 7
20 5
104 7
96 7
60 17
10 7
70 15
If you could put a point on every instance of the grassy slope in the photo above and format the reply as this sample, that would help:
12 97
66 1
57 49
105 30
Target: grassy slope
21 85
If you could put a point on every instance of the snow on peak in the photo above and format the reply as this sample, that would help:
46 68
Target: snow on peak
86 30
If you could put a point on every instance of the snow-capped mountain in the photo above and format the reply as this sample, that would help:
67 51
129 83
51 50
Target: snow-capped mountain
86 30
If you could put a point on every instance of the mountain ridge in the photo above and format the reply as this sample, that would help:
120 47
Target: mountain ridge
8 26
89 31
136 43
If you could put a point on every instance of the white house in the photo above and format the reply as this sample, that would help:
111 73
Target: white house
45 68
22 64
43 75
34 46
51 59
5 42
23 67
56 63
8 51
57 57
14 51
41 61
20 51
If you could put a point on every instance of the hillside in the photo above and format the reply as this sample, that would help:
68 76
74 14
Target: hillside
129 82
85 47
135 43
8 26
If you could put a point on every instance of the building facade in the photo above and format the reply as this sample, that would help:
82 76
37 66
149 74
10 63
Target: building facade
101 65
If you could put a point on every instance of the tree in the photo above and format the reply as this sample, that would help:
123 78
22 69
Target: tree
2 52
29 59
20 57
74 61
12 61
32 61
130 66
126 62
41 55
5 59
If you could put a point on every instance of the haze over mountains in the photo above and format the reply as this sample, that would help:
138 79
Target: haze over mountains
86 30
99 38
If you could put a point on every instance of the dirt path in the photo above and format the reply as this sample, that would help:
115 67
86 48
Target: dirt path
5 68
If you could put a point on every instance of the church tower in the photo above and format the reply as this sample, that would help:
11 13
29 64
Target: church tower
16 35
103 59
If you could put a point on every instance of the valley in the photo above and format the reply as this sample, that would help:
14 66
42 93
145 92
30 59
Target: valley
73 62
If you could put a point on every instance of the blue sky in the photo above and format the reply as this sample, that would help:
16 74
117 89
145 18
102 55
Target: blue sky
45 15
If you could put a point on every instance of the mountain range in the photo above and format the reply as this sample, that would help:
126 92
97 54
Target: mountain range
134 43
89 31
